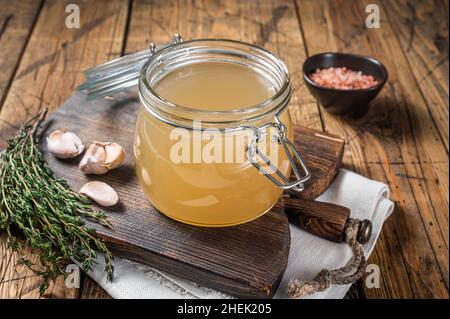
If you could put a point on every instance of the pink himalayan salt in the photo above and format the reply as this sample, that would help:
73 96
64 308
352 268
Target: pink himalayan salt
342 79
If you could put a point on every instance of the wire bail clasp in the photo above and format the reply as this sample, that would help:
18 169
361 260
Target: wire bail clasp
176 39
299 168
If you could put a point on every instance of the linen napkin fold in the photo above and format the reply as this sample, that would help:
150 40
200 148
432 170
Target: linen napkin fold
309 254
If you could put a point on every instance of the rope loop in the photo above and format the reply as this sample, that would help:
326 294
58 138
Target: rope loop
345 275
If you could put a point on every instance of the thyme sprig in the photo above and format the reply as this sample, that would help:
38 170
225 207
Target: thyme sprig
42 209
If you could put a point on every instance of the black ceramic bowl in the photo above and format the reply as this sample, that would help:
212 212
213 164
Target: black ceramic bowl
344 101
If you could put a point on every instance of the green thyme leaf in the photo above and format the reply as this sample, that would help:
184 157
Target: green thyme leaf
41 208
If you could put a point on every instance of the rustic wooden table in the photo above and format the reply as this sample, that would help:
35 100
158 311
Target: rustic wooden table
402 141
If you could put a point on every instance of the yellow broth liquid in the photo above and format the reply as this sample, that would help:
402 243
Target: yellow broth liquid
206 194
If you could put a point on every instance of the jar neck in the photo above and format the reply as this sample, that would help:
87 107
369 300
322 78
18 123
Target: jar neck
214 50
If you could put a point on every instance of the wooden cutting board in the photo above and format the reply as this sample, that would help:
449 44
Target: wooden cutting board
245 261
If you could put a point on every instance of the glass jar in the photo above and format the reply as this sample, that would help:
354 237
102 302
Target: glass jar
220 191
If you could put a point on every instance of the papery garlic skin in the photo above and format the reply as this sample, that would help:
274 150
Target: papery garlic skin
101 193
63 144
93 160
101 157
115 155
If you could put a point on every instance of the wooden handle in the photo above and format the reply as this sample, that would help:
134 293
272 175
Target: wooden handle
321 219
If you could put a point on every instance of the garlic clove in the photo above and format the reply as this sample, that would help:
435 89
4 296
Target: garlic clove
101 193
63 144
115 155
93 161
101 157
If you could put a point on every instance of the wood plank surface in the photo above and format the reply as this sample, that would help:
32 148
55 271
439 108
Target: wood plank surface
17 20
50 69
397 143
403 141
422 29
91 290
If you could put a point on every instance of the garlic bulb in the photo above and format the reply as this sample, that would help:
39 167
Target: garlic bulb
101 157
101 193
64 144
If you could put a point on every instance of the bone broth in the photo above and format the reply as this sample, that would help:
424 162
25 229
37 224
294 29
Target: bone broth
215 86
224 188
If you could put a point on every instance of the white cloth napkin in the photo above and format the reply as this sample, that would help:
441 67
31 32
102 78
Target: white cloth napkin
308 255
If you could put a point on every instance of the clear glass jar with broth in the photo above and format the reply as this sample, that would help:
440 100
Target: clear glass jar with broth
212 143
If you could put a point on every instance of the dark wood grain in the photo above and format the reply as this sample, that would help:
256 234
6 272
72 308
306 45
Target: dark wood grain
91 290
246 260
323 152
321 219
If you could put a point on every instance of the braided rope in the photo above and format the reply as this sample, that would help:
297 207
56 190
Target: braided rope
347 274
